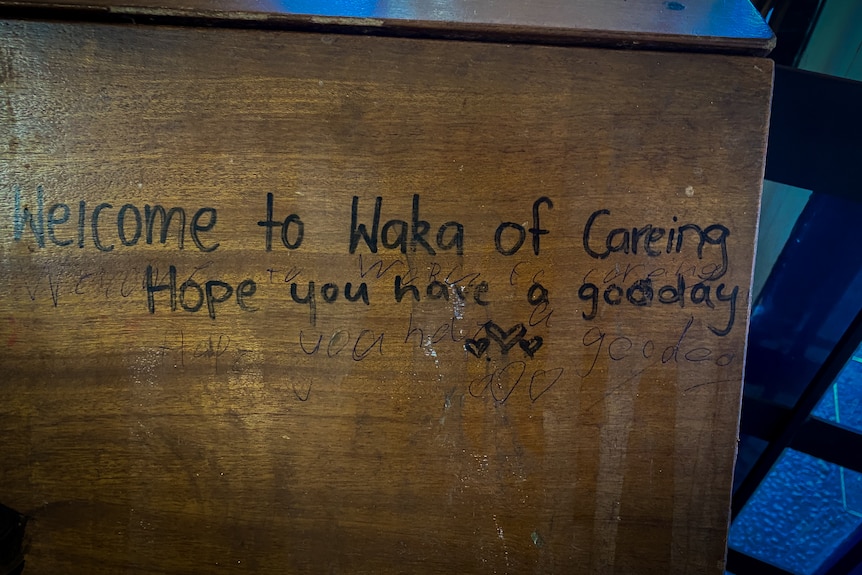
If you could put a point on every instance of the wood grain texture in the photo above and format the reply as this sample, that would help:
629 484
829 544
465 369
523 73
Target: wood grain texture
732 26
573 434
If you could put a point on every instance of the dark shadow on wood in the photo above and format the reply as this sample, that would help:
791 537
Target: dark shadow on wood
12 525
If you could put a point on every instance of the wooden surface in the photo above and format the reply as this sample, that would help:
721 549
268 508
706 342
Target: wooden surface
510 420
704 25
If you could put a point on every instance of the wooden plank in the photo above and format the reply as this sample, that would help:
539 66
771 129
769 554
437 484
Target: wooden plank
732 26
184 401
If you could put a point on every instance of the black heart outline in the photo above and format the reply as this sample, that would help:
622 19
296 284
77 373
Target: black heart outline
487 381
505 338
477 347
541 373
498 375
299 396
532 345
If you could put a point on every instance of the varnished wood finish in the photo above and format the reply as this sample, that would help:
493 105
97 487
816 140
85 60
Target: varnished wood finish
732 26
369 440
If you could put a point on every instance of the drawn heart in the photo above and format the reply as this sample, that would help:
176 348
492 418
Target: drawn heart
506 339
300 393
479 385
532 345
506 380
477 347
543 380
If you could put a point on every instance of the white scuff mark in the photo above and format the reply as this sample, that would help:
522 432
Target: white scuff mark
689 191
481 462
447 403
431 352
499 529
143 368
457 305
503 539
537 539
